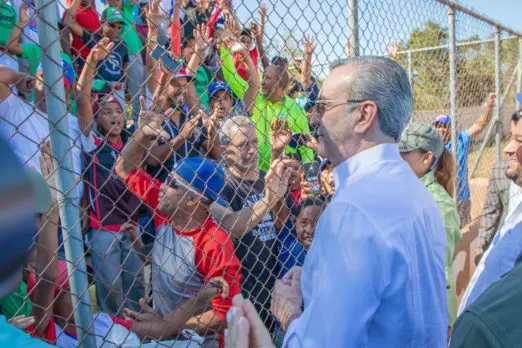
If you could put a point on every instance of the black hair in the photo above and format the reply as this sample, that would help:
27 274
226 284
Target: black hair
283 74
516 116
309 202
246 32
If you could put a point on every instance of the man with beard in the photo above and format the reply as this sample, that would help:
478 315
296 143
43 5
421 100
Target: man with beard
505 248
245 185
464 141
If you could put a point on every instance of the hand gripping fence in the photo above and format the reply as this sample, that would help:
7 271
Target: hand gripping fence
184 157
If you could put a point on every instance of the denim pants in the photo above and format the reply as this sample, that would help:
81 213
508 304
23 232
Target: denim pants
136 83
118 272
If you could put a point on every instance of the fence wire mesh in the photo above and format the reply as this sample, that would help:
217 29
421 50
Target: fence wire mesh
196 173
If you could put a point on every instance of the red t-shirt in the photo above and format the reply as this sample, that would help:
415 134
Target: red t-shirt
88 18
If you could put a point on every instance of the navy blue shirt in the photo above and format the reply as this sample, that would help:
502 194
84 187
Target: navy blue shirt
111 69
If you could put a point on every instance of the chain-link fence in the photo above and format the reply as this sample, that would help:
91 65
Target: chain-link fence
216 190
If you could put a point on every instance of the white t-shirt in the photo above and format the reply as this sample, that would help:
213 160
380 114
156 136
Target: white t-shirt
108 334
25 127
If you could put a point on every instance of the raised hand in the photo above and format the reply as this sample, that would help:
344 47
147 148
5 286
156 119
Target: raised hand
25 13
254 29
210 122
393 51
154 15
276 180
309 141
201 38
280 135
263 8
190 126
102 49
48 172
150 121
309 45
491 100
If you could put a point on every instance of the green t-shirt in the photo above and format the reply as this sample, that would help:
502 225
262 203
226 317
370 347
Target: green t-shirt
129 35
17 303
7 22
265 112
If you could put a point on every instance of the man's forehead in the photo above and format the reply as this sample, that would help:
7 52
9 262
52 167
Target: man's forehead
337 84
244 133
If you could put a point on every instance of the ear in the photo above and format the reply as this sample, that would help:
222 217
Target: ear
428 158
367 117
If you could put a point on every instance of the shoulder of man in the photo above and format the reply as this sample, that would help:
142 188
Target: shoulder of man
492 320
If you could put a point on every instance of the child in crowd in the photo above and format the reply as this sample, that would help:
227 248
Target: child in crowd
296 237
118 269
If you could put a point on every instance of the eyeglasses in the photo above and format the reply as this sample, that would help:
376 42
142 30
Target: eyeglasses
175 183
320 105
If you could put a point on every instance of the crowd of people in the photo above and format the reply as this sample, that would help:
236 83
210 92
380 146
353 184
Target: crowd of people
270 207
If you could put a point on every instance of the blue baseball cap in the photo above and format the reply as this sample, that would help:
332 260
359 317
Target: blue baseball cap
217 86
204 175
442 119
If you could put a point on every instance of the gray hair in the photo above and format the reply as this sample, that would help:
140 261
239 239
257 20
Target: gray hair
231 126
386 83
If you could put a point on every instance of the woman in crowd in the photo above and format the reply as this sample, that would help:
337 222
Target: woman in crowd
422 147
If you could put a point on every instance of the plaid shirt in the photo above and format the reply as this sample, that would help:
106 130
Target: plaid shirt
496 205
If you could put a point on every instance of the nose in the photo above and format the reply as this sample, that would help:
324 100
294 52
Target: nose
511 148
315 119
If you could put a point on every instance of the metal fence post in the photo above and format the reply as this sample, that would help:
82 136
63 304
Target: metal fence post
65 182
410 69
453 79
353 27
519 77
498 91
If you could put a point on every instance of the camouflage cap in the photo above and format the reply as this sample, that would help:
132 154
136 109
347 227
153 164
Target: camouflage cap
421 136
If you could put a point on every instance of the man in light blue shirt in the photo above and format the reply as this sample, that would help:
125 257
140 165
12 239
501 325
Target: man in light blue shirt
374 275
464 141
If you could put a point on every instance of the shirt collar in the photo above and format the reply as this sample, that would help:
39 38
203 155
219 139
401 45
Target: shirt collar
428 178
364 159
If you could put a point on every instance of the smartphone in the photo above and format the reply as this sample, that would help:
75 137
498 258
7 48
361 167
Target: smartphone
159 53
312 172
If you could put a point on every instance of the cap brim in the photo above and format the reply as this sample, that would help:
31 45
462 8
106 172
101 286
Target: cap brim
180 76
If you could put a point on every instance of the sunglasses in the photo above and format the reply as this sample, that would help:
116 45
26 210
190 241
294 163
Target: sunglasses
175 183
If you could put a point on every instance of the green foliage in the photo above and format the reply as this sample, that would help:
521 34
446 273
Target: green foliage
475 68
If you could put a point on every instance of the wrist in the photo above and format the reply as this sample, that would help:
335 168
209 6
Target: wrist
295 314
91 59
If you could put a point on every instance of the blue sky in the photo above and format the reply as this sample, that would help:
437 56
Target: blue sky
508 12
381 22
